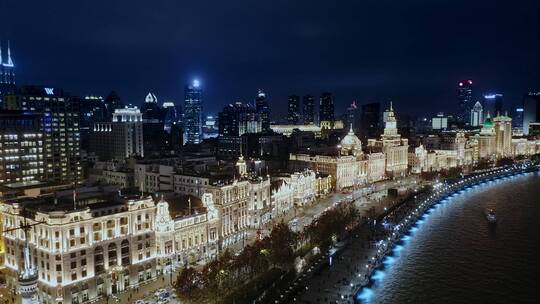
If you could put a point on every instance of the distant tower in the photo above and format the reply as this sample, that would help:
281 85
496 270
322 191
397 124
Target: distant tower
308 110
263 108
465 100
326 107
476 115
193 119
7 73
293 115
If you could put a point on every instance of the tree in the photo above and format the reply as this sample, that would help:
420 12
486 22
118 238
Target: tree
280 244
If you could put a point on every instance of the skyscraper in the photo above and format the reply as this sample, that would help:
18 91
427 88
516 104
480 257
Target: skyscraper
263 108
121 138
193 108
21 142
326 107
465 100
150 109
308 110
493 104
60 125
517 118
531 110
237 119
171 115
293 115
476 115
7 73
370 119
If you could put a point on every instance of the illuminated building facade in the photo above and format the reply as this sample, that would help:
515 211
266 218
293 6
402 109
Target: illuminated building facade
476 115
392 145
7 74
465 100
60 125
193 108
121 138
21 147
263 108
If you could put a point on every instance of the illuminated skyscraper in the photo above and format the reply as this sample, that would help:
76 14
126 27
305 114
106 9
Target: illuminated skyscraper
21 142
465 100
150 109
493 103
293 107
263 108
308 109
7 73
193 119
61 133
476 115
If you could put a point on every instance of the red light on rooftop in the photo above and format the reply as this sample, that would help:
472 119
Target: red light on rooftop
470 81
461 84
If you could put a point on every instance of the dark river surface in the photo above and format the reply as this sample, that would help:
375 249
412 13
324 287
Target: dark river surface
456 256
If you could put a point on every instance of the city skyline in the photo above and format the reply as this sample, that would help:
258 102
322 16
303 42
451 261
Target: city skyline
367 61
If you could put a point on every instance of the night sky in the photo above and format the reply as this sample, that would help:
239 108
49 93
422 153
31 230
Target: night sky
411 52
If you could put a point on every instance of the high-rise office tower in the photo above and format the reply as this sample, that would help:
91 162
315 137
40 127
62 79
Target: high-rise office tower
171 115
476 115
239 118
326 107
371 119
263 108
493 104
465 100
308 109
150 109
293 108
21 147
121 138
193 119
60 125
7 73
92 110
517 118
531 110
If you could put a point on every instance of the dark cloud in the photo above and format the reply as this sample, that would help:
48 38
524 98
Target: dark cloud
410 51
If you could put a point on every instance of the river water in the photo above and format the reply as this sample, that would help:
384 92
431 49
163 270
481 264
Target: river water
455 256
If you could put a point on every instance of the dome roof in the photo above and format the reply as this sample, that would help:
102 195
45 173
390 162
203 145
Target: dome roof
350 139
488 123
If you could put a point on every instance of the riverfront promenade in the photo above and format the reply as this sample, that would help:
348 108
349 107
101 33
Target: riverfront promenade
360 262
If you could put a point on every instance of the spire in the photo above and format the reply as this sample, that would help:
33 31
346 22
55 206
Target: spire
9 61
391 107
351 130
1 53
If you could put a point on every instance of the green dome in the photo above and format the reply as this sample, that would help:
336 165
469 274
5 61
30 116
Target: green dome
488 123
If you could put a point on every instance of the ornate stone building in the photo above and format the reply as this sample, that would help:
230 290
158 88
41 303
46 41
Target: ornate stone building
392 145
